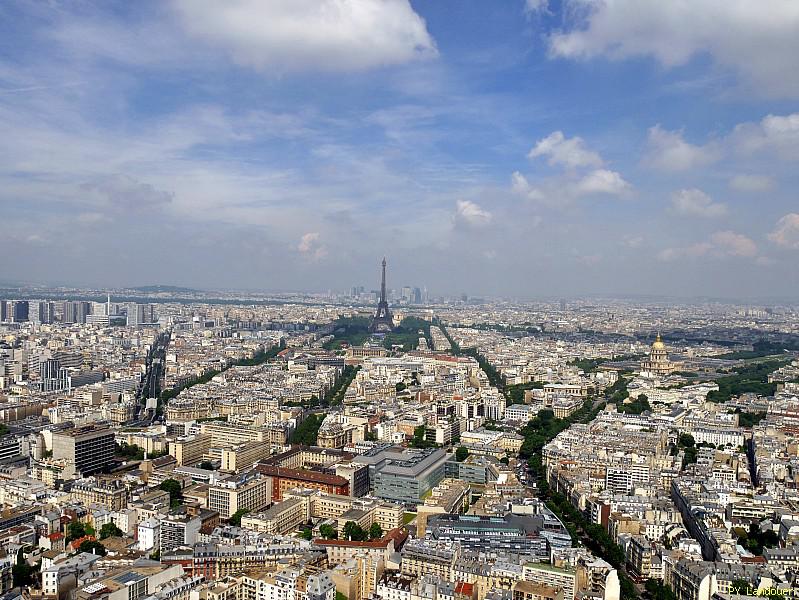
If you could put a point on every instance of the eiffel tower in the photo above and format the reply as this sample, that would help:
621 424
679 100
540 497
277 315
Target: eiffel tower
382 321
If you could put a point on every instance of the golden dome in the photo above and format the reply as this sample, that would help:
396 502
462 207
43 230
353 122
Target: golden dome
658 344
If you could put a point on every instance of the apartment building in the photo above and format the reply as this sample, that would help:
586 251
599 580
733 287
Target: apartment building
110 493
249 492
243 456
189 450
88 449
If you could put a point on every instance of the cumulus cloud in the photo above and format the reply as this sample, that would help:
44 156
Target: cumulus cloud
766 36
317 35
668 151
729 243
722 244
786 232
751 183
562 191
471 214
563 151
310 246
520 185
696 203
602 181
773 133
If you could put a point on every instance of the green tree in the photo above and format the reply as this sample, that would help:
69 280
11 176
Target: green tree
306 432
92 547
22 572
657 590
110 530
686 440
375 531
207 465
353 531
75 530
328 532
307 534
175 491
235 518
419 439
461 453
741 585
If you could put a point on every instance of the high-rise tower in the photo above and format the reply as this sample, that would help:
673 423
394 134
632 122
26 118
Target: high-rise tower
382 321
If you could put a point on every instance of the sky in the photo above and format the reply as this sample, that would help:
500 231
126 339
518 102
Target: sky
522 148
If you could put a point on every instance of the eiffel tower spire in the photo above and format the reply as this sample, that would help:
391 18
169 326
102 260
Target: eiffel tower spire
383 283
383 321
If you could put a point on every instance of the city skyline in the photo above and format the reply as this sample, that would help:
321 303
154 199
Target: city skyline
546 149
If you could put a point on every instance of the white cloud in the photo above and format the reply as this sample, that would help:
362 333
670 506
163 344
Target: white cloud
602 181
521 186
786 232
754 39
774 133
471 214
567 152
317 35
533 6
751 183
729 243
722 244
696 203
668 151
311 246
562 191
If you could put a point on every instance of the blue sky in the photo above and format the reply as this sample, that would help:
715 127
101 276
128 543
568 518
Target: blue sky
503 148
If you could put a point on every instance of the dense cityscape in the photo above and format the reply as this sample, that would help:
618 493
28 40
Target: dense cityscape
399 299
208 448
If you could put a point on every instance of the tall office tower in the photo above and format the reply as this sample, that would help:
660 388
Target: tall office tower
42 312
417 296
100 309
76 312
68 312
133 314
4 310
20 310
140 314
90 448
406 294
84 310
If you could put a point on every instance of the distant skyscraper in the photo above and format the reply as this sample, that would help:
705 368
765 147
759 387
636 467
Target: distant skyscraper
563 304
5 310
42 312
382 321
20 310
417 296
140 314
76 312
